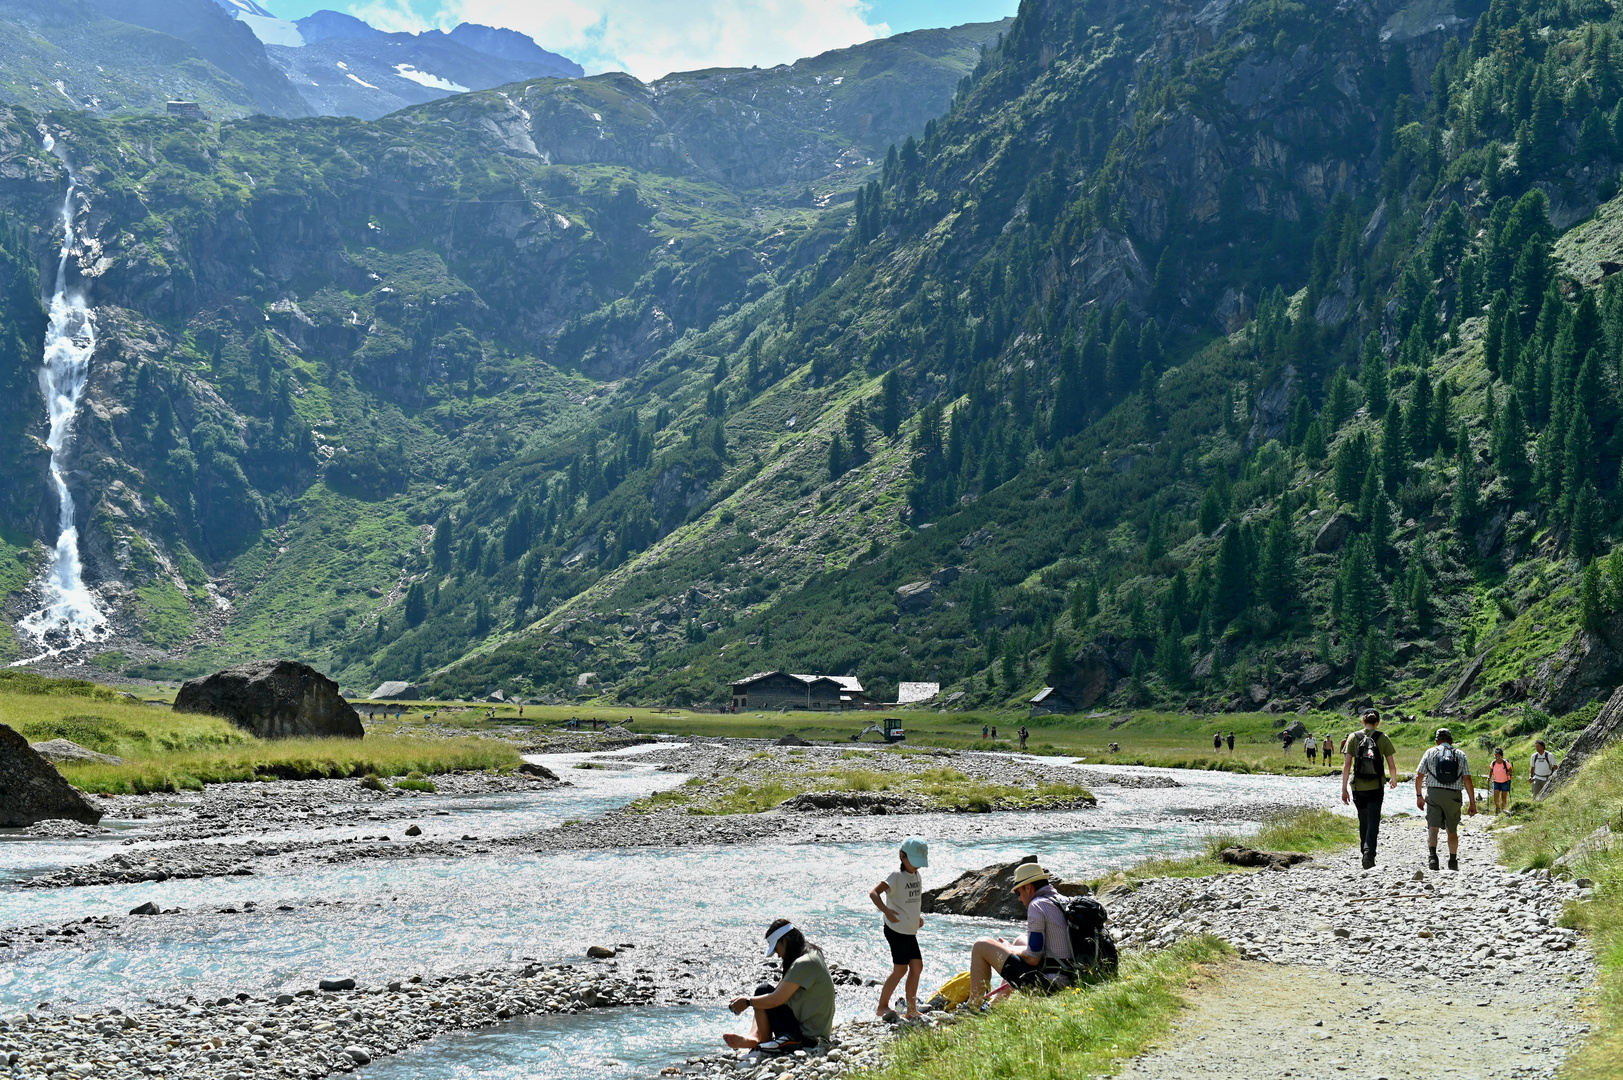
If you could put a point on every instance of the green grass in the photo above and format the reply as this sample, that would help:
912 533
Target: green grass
1293 830
1084 1032
296 759
1549 829
169 751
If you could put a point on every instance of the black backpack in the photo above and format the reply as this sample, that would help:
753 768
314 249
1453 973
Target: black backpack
1445 765
1367 763
1093 949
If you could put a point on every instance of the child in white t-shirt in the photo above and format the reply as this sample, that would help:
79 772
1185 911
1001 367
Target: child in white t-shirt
904 892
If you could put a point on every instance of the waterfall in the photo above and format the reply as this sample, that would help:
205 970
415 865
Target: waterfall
71 615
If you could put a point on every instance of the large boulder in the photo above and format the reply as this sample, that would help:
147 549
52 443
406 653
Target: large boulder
273 699
31 790
1602 732
1333 533
987 893
915 596
1583 669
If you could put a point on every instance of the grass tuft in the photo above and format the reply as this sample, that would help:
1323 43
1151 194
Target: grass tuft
1083 1032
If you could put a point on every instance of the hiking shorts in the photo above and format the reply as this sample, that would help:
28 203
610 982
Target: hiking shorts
1501 785
1443 808
904 948
1018 973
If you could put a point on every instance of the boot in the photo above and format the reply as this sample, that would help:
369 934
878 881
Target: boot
1431 859
1453 862
1369 860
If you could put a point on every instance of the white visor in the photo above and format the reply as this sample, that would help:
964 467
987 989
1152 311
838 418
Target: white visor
776 936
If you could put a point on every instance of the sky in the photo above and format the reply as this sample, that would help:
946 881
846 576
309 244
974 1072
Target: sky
651 38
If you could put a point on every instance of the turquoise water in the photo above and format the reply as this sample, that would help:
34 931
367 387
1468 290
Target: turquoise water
374 920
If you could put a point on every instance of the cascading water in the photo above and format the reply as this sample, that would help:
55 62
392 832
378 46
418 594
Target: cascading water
71 615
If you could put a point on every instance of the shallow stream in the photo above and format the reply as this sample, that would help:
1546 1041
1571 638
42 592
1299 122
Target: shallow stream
694 915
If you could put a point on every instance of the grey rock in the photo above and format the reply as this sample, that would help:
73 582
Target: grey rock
915 596
64 752
414 830
540 772
148 908
1603 731
1240 855
358 1054
1333 533
336 984
1585 668
397 690
600 952
1462 685
792 739
31 790
274 699
1314 678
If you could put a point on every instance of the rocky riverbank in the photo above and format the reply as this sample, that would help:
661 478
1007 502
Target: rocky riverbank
311 1033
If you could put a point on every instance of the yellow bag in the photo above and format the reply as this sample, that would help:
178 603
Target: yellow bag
955 991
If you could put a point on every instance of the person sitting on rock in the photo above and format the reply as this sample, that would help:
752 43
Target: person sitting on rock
800 1009
1035 958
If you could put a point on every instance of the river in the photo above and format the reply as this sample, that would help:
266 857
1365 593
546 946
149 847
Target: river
704 908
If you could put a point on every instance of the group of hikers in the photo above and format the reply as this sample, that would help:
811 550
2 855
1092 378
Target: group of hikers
799 1010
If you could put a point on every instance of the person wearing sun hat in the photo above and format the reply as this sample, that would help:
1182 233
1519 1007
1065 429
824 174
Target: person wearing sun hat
1046 942
800 1009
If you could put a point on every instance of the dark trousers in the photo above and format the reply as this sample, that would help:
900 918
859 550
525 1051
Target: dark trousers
1369 819
780 1020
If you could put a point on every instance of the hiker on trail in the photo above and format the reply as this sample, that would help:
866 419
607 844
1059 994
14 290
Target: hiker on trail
1023 736
1500 772
1445 771
984 730
1231 742
1289 738
994 731
904 892
1369 764
1311 745
1032 959
800 1009
1217 740
1542 768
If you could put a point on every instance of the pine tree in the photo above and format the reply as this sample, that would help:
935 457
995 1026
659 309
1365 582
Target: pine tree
836 457
416 604
1362 596
1371 666
1591 601
1339 405
1121 362
1351 463
1417 418
1467 496
1417 590
1173 661
1585 525
1233 589
1394 459
1277 568
1372 375
890 404
1141 673
1577 471
1510 445
1060 664
1313 448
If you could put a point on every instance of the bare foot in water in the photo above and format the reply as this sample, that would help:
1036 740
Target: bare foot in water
740 1042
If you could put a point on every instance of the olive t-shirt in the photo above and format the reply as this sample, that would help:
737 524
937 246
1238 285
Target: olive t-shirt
813 999
1383 746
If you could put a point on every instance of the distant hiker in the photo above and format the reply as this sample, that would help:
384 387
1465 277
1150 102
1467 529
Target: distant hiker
994 731
1542 768
984 730
1231 742
1311 745
1217 741
1289 739
1444 771
1115 748
1035 957
1500 773
1369 761
904 891
1023 735
800 1009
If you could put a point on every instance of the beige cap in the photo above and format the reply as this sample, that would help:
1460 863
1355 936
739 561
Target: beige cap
1029 874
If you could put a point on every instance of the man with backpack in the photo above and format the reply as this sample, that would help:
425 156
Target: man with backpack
1217 740
1368 766
1541 768
1445 772
1061 940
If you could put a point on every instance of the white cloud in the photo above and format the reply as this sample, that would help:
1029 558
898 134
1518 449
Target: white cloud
651 38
